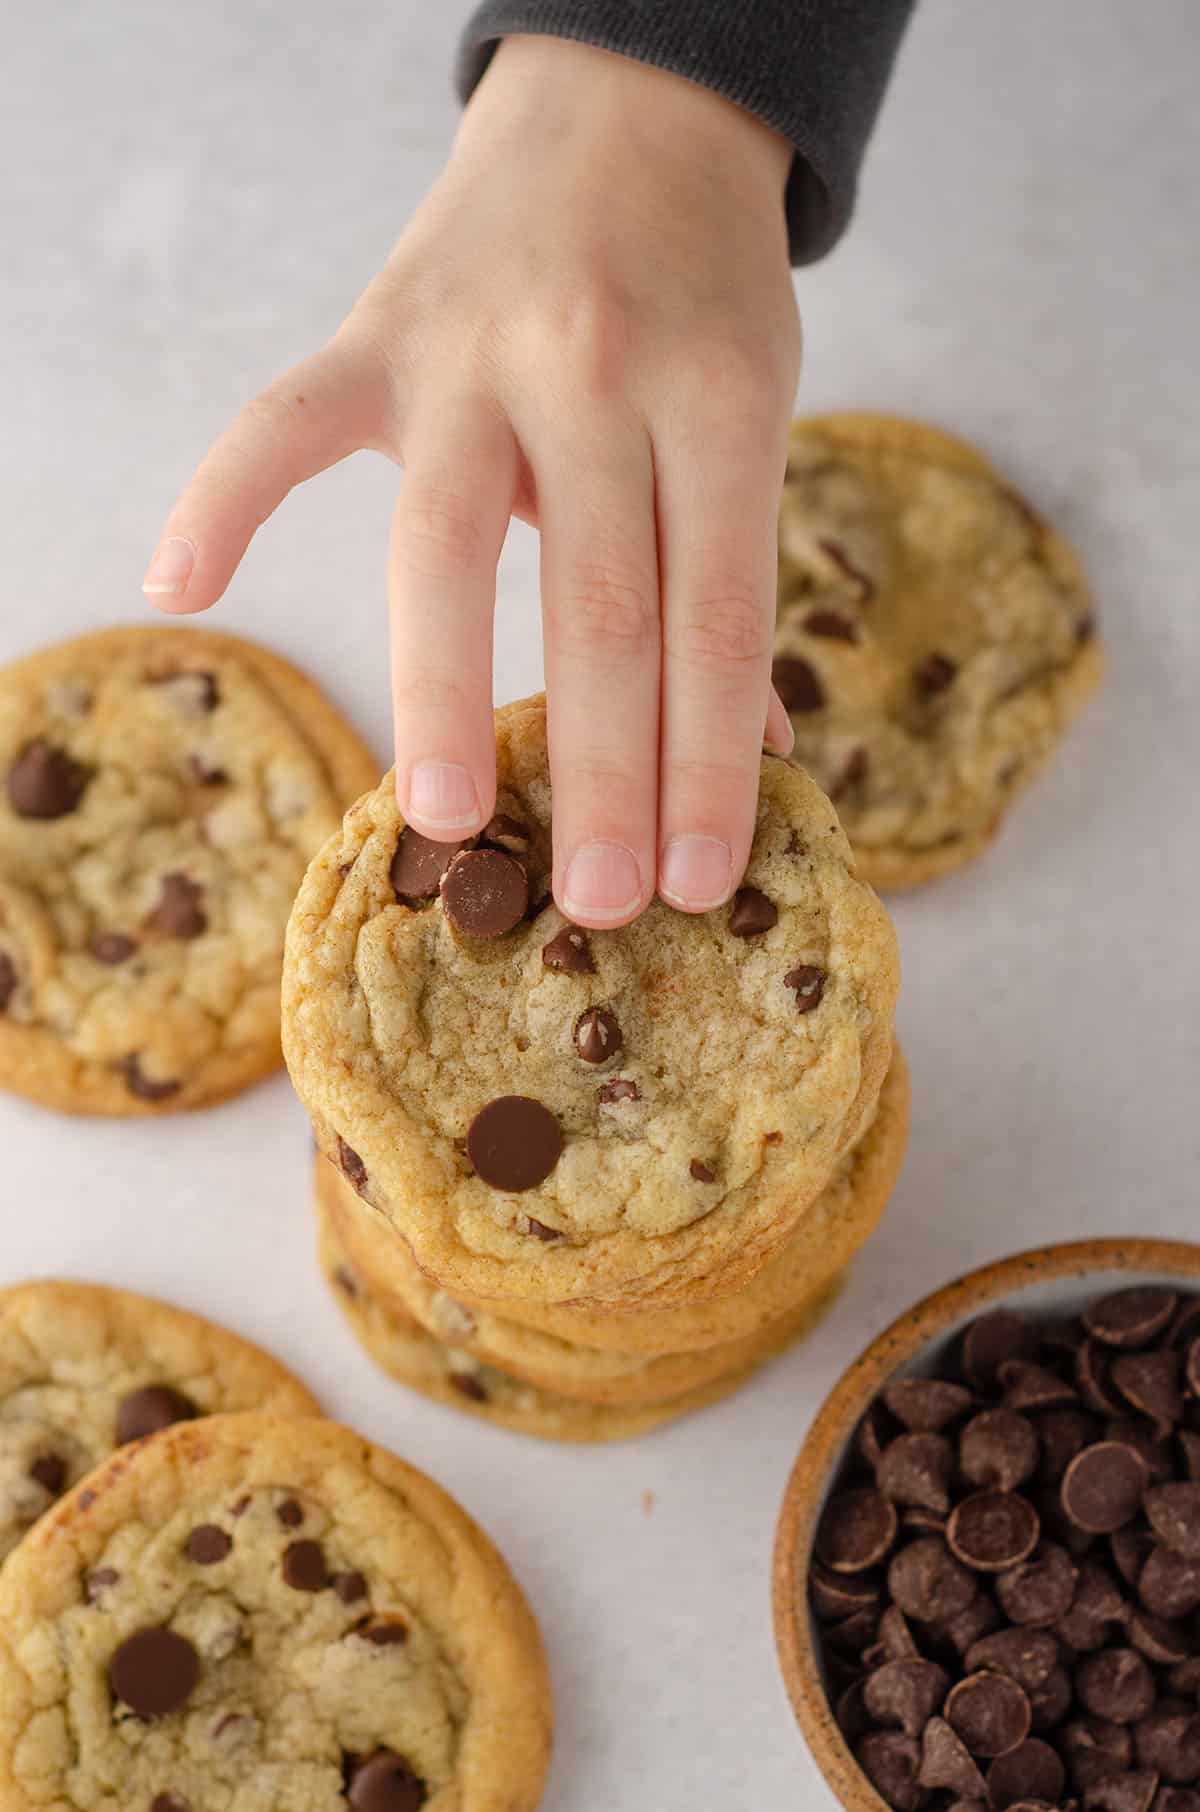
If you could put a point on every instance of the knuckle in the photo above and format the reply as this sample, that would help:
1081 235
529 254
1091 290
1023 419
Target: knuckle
722 629
586 332
438 531
603 611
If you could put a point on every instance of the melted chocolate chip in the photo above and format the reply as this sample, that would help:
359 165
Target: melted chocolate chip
751 914
569 953
154 1672
833 550
539 1230
112 947
797 684
49 1471
419 864
304 1566
832 625
179 912
485 892
701 1173
619 1089
598 1035
8 979
147 1088
207 1544
98 1581
45 782
385 1633
384 1782
935 674
350 1587
169 1802
514 1143
154 1407
808 984
468 1385
352 1167
202 771
290 1513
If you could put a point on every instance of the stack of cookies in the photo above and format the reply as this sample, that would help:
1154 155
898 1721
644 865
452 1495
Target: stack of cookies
582 1182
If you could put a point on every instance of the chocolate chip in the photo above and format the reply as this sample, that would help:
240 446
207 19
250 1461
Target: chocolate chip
851 1713
936 673
990 1713
858 766
154 1672
891 1762
384 1782
917 1469
289 1513
44 781
505 830
701 1172
1162 1642
1029 1388
797 684
569 953
346 1281
1093 1748
1176 1799
1184 1680
1050 1703
751 913
598 1035
1131 1317
179 912
1169 1583
514 1143
1150 1382
926 1405
8 980
946 1762
809 985
1189 1444
98 1581
153 1407
1060 1435
857 1529
833 550
352 1167
831 625
906 1694
993 1530
1092 1377
1116 1684
853 1635
112 947
1193 1368
205 773
896 1640
619 1089
837 1595
304 1566
147 1088
207 1544
928 1583
350 1587
991 1340
1130 1550
1097 1605
998 1450
970 1625
469 1386
1039 1591
169 1802
485 892
419 864
49 1471
1103 1487
1174 1515
1031 1771
1122 1793
539 1230
1027 1656
385 1632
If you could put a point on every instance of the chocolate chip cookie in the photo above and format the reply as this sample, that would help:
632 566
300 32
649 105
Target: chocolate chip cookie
161 790
934 639
84 1370
378 1260
271 1614
547 1114
570 1345
446 1369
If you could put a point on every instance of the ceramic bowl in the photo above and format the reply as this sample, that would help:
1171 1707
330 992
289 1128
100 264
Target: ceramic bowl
1051 1282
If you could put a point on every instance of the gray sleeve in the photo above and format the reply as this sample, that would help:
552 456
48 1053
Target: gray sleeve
815 70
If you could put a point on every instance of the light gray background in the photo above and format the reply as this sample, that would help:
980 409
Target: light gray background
191 195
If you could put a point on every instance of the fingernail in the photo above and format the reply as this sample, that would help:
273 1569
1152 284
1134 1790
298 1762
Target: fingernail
603 881
442 795
697 872
171 568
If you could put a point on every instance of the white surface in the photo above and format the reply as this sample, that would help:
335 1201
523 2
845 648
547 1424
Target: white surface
190 196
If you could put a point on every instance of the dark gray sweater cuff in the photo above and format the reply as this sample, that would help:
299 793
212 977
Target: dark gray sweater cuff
815 70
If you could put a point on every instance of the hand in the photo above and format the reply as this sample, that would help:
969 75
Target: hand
590 323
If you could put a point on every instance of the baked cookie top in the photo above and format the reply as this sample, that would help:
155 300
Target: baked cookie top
549 1113
161 790
271 1615
934 637
84 1369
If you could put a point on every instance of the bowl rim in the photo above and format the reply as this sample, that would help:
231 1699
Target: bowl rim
824 1445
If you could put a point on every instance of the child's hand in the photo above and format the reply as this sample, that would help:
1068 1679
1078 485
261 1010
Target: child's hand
590 322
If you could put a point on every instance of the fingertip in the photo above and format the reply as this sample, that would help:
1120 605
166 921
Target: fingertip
444 800
603 886
780 735
170 573
696 872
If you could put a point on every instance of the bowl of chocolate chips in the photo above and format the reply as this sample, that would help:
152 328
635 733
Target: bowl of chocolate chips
987 1566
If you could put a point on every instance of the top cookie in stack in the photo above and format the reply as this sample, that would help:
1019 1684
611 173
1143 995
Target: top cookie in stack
632 1118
